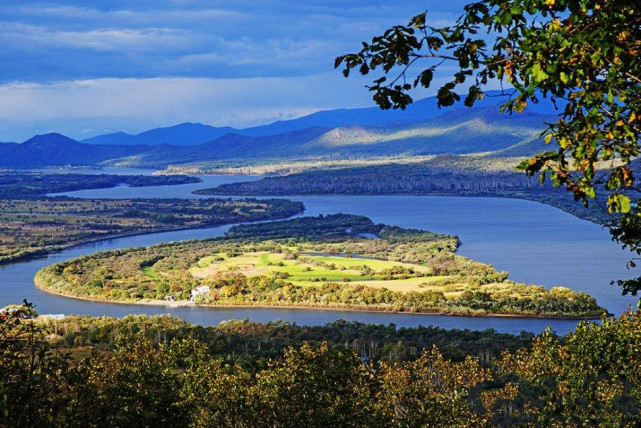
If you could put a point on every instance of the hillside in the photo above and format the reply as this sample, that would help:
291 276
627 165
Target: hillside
185 134
57 150
333 134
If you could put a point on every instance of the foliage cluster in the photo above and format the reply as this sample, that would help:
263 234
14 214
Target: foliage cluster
590 377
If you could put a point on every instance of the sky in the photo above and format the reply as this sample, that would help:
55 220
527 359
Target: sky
85 68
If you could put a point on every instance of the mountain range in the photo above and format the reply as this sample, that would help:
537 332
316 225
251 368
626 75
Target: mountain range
186 134
347 133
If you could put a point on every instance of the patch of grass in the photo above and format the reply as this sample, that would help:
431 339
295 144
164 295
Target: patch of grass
314 269
149 271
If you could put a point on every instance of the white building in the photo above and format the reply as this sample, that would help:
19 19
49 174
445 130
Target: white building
53 316
203 289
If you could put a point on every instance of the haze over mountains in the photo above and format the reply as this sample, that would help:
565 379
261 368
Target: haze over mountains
421 130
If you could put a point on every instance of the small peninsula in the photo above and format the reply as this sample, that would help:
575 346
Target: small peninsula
328 262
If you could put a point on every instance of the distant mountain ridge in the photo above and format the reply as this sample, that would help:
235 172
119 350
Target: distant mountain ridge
183 134
334 134
58 150
187 134
458 131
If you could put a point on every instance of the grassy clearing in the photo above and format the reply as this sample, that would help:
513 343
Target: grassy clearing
314 269
149 271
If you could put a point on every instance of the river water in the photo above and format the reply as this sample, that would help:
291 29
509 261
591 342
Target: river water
535 243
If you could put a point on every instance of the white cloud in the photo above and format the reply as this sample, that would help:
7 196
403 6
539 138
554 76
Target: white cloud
105 39
129 16
88 66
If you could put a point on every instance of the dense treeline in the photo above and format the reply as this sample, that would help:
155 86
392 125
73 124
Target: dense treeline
334 226
445 175
150 372
252 344
29 185
445 282
31 227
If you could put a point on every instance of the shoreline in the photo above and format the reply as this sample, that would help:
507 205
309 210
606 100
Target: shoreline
186 303
589 218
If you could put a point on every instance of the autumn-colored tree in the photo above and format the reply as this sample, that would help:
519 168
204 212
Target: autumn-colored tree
591 377
583 55
315 388
136 385
34 380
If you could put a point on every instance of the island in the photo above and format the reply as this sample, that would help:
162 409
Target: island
336 261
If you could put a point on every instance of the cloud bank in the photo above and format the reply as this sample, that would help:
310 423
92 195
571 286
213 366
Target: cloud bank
84 67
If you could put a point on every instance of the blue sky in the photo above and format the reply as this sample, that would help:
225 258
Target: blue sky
89 67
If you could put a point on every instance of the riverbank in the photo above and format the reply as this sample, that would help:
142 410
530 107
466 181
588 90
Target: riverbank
187 303
443 176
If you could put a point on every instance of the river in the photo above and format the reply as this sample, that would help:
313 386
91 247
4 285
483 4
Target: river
535 243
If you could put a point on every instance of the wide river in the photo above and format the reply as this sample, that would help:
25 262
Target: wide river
535 243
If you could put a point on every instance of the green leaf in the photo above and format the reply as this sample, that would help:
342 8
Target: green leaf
426 77
564 78
618 203
538 74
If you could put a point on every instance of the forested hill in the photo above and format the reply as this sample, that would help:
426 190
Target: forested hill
58 150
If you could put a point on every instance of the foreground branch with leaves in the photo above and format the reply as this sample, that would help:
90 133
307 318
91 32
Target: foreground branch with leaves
583 55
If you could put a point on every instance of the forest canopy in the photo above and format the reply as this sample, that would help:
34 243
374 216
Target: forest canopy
153 371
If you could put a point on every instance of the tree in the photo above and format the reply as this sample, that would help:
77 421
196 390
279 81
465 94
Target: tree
34 381
581 54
